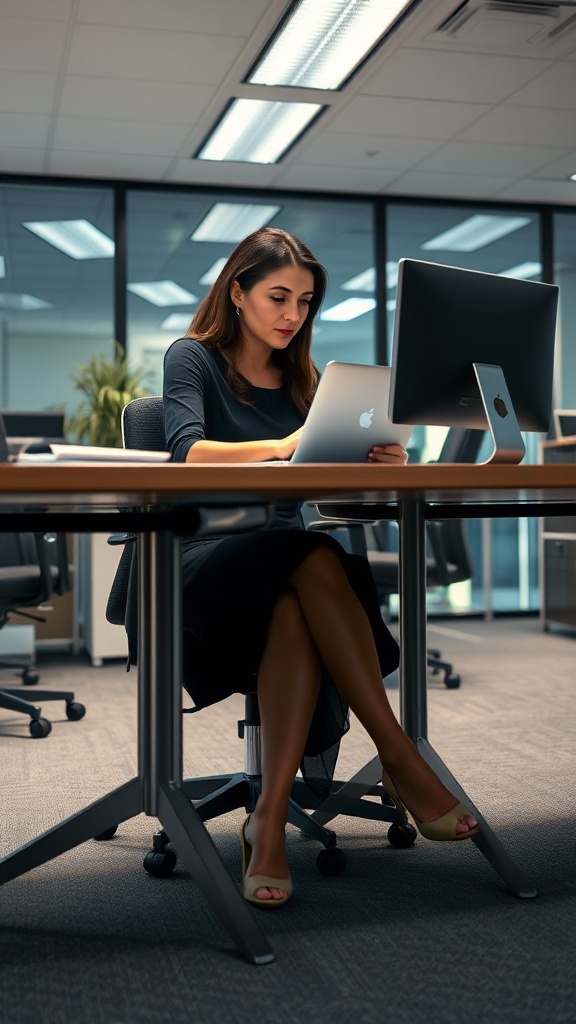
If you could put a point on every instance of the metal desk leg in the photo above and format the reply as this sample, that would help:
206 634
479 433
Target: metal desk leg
160 746
157 789
413 685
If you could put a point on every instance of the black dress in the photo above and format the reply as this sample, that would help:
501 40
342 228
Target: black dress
231 583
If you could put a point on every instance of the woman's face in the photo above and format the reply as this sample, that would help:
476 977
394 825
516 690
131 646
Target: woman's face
274 310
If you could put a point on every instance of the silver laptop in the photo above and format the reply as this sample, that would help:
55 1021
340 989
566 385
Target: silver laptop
349 415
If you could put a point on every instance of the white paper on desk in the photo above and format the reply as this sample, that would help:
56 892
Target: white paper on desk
92 453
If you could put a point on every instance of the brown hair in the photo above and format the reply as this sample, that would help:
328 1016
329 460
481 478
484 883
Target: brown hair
216 324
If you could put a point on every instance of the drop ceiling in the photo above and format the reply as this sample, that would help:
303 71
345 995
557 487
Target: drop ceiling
464 100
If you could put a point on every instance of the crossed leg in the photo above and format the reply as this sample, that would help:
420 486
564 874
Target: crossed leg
320 621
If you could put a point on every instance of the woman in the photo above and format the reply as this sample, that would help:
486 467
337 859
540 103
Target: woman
285 605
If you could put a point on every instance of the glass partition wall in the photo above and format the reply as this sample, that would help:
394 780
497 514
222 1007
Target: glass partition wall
496 241
85 264
177 242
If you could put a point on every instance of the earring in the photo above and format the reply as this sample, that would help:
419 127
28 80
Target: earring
237 310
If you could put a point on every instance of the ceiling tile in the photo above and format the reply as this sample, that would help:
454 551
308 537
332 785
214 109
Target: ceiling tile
21 161
366 151
437 75
25 93
334 179
482 159
31 44
226 17
448 185
166 56
24 130
134 99
554 88
94 135
531 190
558 169
207 172
108 165
519 125
416 119
57 10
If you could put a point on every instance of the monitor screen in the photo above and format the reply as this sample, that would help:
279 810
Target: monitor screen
449 321
26 427
565 422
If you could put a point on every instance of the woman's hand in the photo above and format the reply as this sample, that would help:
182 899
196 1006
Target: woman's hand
392 454
286 446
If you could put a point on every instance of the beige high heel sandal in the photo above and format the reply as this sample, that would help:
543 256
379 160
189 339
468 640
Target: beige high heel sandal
251 883
442 829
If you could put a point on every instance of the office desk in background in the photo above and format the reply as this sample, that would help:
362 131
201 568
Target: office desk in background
166 501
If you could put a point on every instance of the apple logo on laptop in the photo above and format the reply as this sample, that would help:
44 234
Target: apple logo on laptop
500 406
365 418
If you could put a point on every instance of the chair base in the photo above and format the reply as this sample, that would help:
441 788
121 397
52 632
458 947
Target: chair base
214 795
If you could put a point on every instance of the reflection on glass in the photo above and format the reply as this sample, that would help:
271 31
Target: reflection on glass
163 245
56 290
498 241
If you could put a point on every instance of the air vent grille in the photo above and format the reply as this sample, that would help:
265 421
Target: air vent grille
523 24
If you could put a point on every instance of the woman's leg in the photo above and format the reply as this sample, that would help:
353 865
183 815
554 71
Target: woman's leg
343 638
288 686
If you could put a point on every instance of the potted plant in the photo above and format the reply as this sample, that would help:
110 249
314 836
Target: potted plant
107 386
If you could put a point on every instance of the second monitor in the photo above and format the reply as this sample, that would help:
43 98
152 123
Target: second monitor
473 350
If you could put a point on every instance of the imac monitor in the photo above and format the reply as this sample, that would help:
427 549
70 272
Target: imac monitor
473 350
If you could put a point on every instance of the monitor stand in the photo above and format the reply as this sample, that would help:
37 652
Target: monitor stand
509 445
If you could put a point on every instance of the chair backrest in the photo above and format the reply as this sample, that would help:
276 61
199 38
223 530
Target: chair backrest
143 424
461 445
142 427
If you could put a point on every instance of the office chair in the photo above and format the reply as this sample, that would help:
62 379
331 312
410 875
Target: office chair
28 578
143 427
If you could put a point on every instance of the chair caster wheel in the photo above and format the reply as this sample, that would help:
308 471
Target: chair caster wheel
402 836
331 861
29 678
75 711
40 727
108 833
452 682
161 865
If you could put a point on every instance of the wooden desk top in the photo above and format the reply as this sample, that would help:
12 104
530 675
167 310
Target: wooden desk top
108 485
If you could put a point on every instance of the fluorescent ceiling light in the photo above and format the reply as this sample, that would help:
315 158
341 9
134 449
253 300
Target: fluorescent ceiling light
524 271
231 222
475 232
210 276
176 322
572 177
364 282
323 41
162 293
348 310
77 238
2 267
22 302
257 131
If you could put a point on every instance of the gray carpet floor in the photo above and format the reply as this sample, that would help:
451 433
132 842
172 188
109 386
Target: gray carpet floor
420 936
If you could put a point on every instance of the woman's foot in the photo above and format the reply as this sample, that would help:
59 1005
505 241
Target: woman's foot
264 854
436 811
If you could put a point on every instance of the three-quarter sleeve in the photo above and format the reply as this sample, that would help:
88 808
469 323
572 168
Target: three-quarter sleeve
184 391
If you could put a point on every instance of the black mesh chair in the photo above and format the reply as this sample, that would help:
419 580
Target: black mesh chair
33 567
143 427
